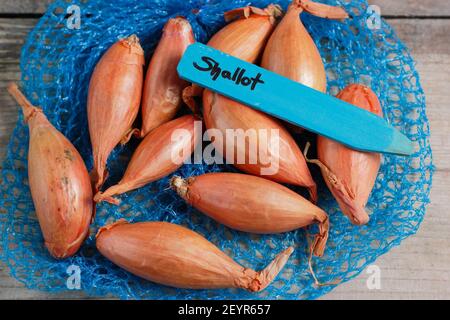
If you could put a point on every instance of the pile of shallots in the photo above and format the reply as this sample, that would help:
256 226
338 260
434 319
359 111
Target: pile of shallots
65 194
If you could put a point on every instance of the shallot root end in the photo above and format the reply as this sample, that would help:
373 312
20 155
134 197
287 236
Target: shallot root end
180 185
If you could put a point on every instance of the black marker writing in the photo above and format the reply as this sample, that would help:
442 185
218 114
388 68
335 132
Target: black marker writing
238 76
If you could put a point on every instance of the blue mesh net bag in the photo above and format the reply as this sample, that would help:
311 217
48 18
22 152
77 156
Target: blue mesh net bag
57 63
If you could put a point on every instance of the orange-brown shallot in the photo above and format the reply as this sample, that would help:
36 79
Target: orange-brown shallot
247 34
291 52
281 158
172 255
59 183
243 38
113 101
349 174
252 204
163 87
161 153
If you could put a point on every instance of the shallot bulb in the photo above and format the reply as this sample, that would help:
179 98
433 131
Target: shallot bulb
247 35
172 255
243 38
280 159
59 183
252 204
291 52
113 102
349 174
161 153
163 87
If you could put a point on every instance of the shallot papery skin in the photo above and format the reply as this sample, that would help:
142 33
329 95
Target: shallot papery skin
349 174
163 87
243 38
224 114
246 37
113 101
252 204
291 52
154 157
175 256
59 183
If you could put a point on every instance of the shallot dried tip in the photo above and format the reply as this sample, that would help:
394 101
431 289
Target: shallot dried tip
28 109
311 269
258 281
59 183
100 196
154 251
321 10
111 226
190 95
341 189
273 10
133 132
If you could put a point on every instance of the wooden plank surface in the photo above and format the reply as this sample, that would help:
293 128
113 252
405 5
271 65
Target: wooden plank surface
420 267
413 8
24 6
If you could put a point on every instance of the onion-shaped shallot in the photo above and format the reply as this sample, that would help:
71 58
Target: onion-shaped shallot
272 153
59 183
349 174
161 153
252 204
172 255
113 102
163 87
291 52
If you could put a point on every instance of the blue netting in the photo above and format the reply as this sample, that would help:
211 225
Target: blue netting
57 64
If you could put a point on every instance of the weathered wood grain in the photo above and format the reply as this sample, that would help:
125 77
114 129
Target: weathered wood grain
12 37
13 33
419 268
24 6
418 8
424 37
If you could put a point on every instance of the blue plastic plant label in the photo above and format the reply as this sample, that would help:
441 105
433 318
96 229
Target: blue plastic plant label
291 101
